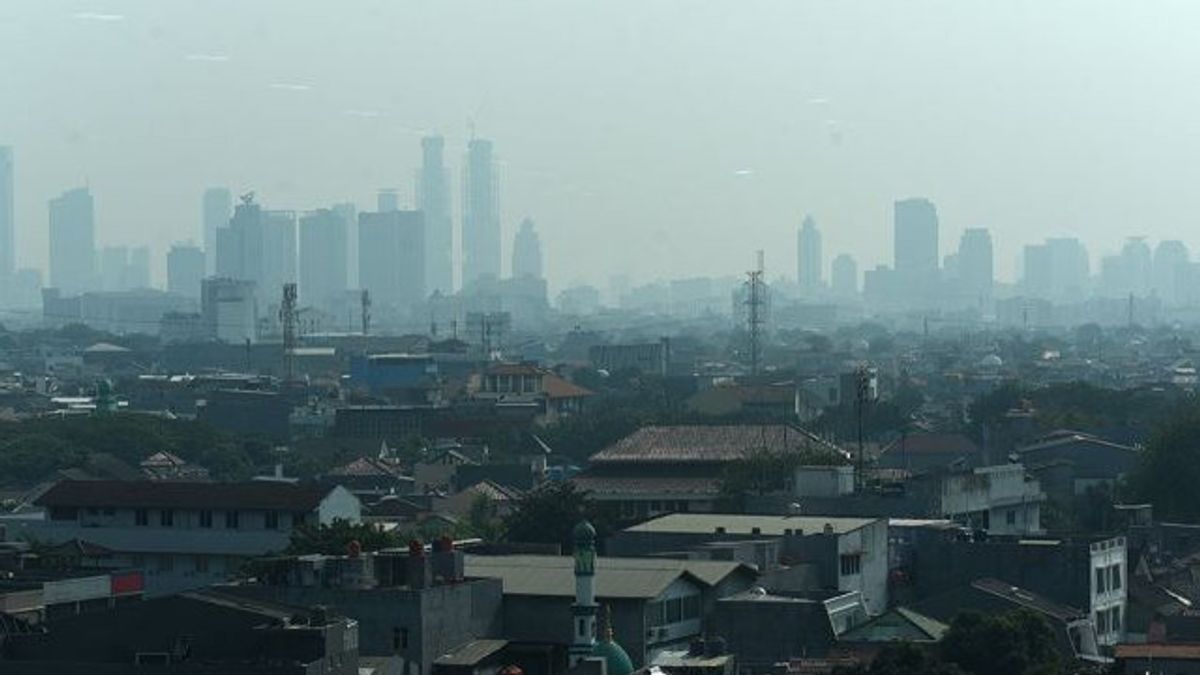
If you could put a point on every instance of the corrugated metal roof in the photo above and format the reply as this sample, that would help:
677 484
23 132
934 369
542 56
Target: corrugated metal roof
708 443
700 523
616 578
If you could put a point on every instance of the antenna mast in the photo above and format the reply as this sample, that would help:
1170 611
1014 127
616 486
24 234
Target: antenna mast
287 318
755 301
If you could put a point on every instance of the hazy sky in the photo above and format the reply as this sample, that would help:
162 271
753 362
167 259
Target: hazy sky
645 137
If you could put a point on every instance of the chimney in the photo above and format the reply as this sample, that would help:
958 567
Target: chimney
418 574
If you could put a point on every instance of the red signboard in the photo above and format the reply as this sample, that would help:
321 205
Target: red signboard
128 582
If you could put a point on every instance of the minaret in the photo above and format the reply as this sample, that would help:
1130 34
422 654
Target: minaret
583 612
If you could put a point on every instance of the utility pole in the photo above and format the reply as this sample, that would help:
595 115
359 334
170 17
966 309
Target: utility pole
755 301
365 301
287 319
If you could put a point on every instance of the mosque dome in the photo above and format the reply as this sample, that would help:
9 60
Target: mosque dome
584 533
614 656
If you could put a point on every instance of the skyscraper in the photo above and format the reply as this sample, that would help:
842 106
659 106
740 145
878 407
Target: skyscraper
808 257
217 206
391 260
279 254
240 243
433 198
73 242
7 217
976 263
1170 271
527 252
843 276
915 229
137 275
185 270
481 218
322 258
388 199
114 267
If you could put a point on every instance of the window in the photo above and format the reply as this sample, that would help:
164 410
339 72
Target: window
674 610
166 518
231 520
1102 622
137 560
1115 582
691 607
166 562
1114 622
1101 581
1010 517
272 520
200 562
141 517
582 627
851 564
206 518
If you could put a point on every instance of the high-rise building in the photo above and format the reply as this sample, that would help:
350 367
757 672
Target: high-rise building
808 257
915 230
229 309
843 276
1171 263
391 258
73 242
7 215
279 254
1070 269
527 252
1138 263
975 268
433 199
388 199
217 207
349 216
240 243
322 258
185 270
481 218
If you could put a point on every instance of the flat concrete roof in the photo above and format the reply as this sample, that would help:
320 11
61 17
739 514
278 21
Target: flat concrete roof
707 523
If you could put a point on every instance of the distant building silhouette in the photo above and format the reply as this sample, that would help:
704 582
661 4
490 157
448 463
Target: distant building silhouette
808 257
844 276
7 216
279 254
388 199
323 241
391 258
975 275
1171 263
73 242
527 252
185 270
915 229
481 214
229 309
239 244
433 199
217 208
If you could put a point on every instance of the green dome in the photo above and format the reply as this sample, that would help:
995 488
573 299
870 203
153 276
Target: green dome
584 533
614 656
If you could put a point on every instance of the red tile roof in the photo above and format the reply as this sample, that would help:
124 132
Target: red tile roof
615 485
1158 651
263 495
704 443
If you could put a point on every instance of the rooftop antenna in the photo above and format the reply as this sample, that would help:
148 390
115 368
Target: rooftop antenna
287 318
754 320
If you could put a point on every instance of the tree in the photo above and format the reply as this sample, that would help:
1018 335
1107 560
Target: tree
765 471
1169 469
904 659
335 538
1013 643
548 514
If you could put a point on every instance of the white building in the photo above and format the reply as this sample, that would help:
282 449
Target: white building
183 534
1000 499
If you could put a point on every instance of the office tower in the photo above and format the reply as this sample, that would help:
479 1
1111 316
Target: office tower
114 264
1070 270
217 206
322 258
72 242
348 214
229 309
975 274
388 199
137 275
1171 260
391 258
240 243
915 230
527 252
7 215
481 218
843 276
185 270
808 257
279 254
433 199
